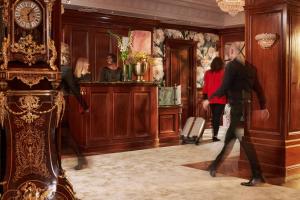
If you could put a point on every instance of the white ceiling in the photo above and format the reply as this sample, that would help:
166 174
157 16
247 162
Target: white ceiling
202 13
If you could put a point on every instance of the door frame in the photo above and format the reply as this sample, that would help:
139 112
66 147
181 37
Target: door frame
192 45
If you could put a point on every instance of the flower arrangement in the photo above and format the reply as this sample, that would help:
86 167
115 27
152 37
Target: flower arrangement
124 44
135 57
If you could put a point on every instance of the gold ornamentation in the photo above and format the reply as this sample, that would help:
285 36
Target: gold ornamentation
29 117
50 5
3 103
31 151
5 45
27 46
29 191
60 104
54 55
29 108
65 54
29 103
5 13
30 79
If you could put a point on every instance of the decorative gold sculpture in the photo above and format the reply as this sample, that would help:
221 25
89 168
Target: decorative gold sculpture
50 6
5 46
30 150
3 103
29 106
29 191
60 104
5 12
30 79
54 55
27 46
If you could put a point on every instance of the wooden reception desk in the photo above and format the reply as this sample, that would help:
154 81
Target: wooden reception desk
121 116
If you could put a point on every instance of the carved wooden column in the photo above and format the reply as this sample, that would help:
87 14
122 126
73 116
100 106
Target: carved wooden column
277 140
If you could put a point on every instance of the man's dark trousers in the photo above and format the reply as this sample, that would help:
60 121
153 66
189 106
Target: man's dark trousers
236 113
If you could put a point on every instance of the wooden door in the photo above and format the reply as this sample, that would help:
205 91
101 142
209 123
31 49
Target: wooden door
181 70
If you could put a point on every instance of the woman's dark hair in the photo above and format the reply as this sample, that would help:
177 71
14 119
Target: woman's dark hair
217 64
113 57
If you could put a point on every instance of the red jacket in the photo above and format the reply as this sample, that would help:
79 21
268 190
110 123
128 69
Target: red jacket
212 81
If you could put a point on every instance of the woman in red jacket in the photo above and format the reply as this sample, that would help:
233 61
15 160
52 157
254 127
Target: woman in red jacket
212 81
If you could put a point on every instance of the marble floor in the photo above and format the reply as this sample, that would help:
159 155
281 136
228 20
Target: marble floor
160 174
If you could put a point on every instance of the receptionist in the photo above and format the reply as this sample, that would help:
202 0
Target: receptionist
111 73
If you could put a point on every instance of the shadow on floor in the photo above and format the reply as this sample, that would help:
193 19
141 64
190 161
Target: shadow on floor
230 167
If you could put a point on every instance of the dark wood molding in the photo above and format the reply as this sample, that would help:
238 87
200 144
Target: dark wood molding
105 20
229 31
251 4
116 21
185 27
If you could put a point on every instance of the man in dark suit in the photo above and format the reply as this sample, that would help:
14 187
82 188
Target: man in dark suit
239 80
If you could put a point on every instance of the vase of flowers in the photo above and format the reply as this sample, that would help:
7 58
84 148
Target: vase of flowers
124 45
140 62
139 70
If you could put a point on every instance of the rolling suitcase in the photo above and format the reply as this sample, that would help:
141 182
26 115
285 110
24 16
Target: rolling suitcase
193 130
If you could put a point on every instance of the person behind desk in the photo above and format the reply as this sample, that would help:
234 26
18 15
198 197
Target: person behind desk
70 84
111 73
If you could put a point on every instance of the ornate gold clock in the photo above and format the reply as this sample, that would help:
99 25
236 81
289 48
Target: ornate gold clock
28 14
29 33
30 40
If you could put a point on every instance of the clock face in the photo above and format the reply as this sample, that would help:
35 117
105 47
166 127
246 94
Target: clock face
28 14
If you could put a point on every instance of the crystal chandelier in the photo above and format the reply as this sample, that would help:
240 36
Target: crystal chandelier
233 7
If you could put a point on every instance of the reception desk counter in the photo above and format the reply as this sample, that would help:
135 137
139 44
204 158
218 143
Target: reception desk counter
121 116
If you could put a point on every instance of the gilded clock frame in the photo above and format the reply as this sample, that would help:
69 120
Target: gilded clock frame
26 48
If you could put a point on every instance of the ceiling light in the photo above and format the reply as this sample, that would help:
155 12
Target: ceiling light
233 7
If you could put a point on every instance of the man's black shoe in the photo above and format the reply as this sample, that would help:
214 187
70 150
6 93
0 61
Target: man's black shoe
212 172
254 182
215 139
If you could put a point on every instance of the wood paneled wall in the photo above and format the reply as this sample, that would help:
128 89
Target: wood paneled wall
87 35
276 140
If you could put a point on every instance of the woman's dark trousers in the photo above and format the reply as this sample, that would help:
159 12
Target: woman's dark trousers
217 111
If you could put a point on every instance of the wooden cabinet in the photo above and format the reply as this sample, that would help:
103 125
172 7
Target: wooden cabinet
169 123
121 116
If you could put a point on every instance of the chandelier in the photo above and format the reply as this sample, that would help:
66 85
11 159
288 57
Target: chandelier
233 7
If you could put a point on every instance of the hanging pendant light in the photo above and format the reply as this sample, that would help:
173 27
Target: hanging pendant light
233 7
